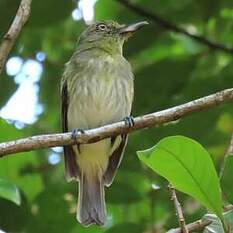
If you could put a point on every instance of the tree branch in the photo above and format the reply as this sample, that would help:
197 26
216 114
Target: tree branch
14 30
168 25
199 224
194 226
178 208
94 135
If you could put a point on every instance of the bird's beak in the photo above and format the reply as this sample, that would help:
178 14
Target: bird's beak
132 27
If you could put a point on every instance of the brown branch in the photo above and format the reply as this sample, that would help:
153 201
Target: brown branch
194 226
199 224
14 30
178 208
168 25
94 135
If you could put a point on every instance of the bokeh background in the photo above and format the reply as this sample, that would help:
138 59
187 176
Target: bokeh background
169 68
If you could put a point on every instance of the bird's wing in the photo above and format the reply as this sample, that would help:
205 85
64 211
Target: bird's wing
71 168
115 160
64 106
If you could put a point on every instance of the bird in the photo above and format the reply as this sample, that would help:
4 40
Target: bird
97 88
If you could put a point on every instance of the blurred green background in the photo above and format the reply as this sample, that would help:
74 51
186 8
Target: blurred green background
169 68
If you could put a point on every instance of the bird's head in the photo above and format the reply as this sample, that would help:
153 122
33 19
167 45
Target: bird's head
108 35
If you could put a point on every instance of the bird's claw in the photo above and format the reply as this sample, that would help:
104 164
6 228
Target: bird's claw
129 121
76 133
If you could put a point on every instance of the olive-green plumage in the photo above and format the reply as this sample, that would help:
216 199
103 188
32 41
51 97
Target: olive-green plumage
97 89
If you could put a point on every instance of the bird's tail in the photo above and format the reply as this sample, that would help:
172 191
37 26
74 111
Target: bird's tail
91 202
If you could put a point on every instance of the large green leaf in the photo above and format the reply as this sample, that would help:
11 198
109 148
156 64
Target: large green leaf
187 166
226 180
9 191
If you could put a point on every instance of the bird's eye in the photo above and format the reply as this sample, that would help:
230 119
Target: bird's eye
102 26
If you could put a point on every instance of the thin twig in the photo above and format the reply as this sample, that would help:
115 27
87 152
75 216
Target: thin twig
14 30
230 148
178 208
94 135
229 152
168 25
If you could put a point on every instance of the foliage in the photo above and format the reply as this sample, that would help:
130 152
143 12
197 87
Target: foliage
169 69
188 167
9 191
184 162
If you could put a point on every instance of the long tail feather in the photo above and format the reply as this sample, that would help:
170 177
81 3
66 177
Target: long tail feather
91 204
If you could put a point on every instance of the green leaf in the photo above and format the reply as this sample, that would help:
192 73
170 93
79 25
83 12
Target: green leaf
13 217
216 225
9 191
226 180
188 167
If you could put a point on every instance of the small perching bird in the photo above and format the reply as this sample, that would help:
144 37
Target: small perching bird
96 89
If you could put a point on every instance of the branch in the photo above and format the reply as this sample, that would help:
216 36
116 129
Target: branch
94 135
168 25
14 30
178 208
194 226
199 224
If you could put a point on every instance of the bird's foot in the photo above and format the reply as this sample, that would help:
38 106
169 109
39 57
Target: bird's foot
75 134
129 121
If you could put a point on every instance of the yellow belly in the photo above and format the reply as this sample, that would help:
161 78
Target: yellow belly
93 158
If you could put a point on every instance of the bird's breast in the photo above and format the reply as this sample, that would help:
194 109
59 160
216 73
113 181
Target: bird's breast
102 95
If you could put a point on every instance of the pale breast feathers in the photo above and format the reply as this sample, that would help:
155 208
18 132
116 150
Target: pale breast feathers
101 91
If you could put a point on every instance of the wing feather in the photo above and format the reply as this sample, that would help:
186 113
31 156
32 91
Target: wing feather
115 160
71 168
